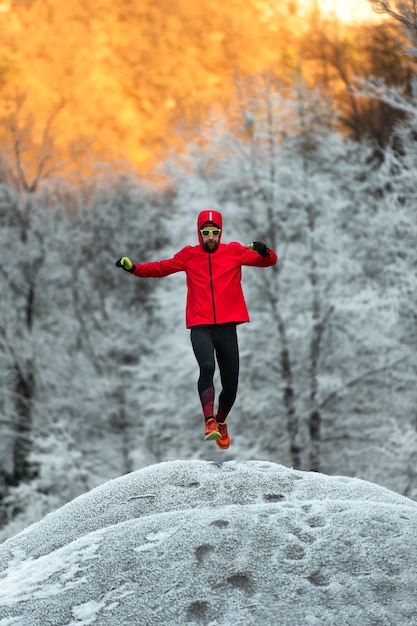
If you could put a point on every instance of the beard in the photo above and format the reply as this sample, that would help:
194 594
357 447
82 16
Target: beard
210 246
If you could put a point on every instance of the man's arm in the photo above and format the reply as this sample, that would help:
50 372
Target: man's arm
154 269
257 254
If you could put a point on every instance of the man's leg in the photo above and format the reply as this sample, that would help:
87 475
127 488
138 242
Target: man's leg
202 342
227 353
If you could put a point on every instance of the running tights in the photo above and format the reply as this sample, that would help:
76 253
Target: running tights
220 341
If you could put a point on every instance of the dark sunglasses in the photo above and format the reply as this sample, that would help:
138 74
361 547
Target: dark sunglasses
214 231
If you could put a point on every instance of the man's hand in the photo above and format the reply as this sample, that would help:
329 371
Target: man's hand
125 263
259 247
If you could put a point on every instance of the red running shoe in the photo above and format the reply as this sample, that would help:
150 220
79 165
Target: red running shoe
212 432
224 441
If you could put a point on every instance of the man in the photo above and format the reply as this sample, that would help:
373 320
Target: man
215 305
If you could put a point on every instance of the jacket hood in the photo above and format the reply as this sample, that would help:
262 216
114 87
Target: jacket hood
208 216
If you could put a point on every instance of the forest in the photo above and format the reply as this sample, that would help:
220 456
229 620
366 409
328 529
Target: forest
318 159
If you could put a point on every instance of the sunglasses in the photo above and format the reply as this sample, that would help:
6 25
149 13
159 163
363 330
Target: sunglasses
214 231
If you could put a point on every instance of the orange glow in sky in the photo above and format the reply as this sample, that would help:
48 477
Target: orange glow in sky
121 82
349 11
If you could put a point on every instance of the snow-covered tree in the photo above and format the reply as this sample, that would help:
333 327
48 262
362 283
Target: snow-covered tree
327 364
284 175
74 334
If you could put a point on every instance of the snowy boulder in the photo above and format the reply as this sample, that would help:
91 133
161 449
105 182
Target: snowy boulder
194 542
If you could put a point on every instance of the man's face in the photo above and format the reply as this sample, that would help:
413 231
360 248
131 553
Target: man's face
210 236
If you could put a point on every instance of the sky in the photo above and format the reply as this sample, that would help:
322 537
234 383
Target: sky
222 544
350 10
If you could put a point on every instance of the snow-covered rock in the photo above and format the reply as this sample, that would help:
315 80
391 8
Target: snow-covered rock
194 542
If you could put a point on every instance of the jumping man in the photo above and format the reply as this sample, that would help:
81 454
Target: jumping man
215 305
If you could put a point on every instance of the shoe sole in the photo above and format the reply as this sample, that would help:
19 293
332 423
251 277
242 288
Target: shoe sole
222 446
213 436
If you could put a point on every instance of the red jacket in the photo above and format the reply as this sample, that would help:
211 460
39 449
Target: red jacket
215 293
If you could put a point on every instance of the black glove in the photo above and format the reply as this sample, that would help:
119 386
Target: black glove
126 264
260 247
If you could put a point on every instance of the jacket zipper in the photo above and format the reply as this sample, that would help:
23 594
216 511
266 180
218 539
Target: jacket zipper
212 289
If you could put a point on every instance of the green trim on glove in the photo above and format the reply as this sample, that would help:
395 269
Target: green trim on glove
125 263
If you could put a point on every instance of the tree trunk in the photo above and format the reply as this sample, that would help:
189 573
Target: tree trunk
24 389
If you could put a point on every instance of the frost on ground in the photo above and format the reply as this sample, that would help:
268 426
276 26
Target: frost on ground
194 542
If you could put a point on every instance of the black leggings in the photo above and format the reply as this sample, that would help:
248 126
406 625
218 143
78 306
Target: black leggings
222 340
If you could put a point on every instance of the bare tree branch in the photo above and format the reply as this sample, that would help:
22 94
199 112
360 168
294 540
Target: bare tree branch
404 12
359 379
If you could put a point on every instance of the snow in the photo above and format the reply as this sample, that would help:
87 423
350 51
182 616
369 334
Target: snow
197 542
